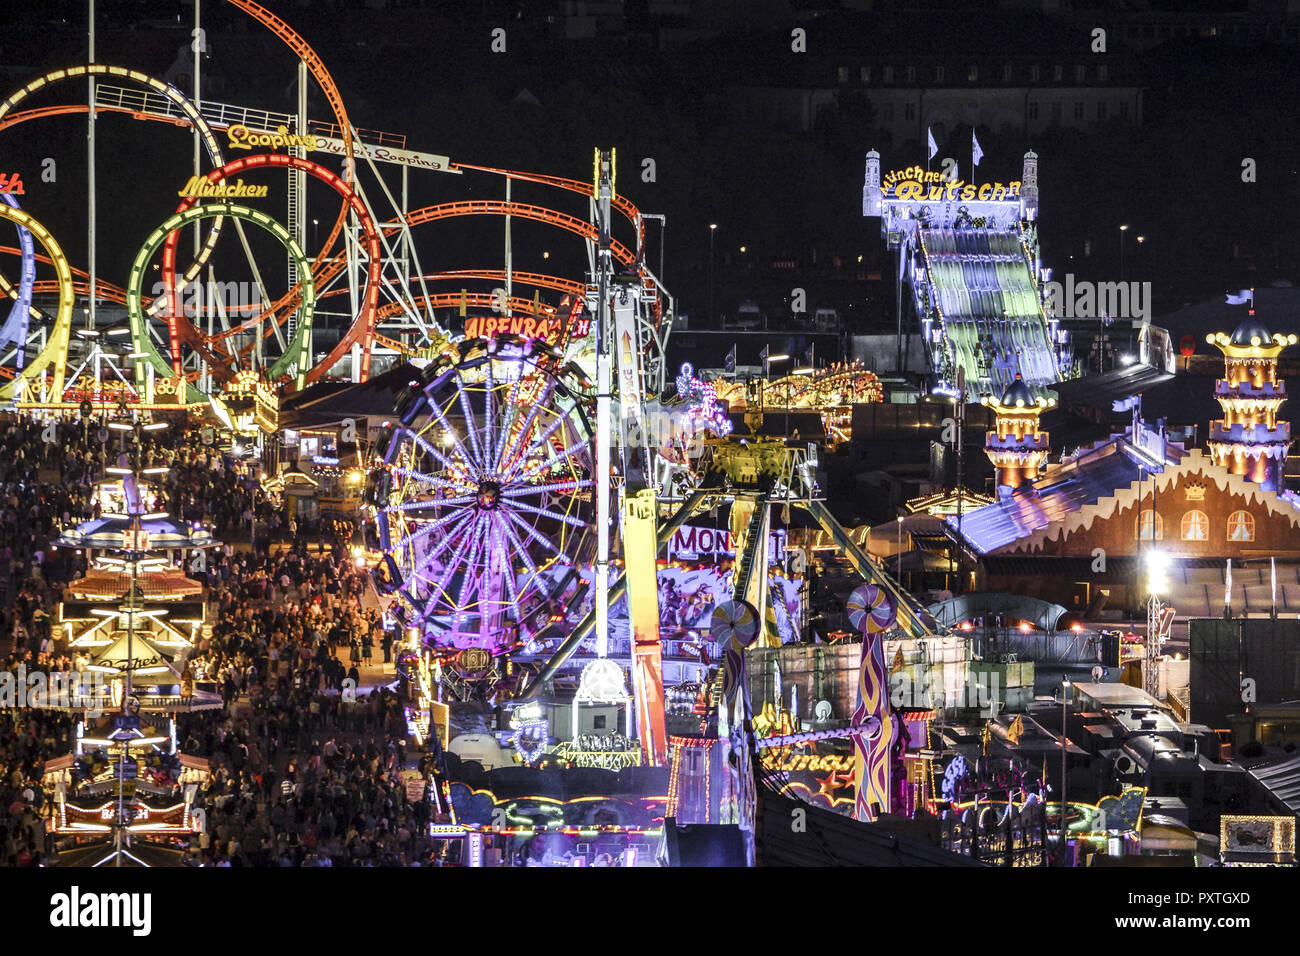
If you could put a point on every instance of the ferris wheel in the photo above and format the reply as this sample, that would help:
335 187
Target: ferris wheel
483 501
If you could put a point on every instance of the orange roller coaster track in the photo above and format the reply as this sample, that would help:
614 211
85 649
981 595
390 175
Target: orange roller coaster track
493 207
538 279
620 202
362 330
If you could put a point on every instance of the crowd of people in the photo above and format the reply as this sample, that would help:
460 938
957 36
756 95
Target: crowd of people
304 771
28 738
321 789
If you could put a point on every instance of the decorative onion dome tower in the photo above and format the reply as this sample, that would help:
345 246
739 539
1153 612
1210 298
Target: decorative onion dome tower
1250 440
1016 446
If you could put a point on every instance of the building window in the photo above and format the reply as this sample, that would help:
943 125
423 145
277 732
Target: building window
1101 111
1196 526
889 112
864 74
1033 109
911 74
938 73
1035 73
909 111
1123 109
1006 74
887 74
1080 74
1103 73
1056 111
1241 526
1144 527
842 74
1058 73
972 73
1078 109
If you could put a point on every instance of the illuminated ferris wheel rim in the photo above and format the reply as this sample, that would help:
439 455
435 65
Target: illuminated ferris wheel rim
484 504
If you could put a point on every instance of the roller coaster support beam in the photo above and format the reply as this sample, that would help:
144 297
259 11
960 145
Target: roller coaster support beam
640 548
604 186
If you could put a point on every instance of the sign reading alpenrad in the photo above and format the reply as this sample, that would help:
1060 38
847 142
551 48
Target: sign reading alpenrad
923 185
548 329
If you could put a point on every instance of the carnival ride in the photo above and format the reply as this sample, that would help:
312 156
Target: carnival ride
132 620
526 487
970 258
369 261
830 390
485 518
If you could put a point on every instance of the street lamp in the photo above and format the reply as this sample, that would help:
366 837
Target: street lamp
1067 695
1157 568
713 229
899 570
1122 230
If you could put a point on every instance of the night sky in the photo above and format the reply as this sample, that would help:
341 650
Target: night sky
428 73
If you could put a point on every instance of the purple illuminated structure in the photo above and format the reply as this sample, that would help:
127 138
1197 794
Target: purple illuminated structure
483 502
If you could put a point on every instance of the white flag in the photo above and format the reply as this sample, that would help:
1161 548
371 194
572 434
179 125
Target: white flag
976 154
1242 297
934 147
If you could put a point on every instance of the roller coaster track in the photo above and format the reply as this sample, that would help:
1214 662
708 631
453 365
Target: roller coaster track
494 207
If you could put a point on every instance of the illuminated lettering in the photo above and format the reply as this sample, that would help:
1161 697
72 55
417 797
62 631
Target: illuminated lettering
526 327
200 187
241 137
920 185
809 763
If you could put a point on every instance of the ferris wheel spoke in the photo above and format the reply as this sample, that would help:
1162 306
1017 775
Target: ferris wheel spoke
463 517
508 451
537 441
467 461
572 484
434 503
471 427
553 515
428 479
534 534
499 530
424 443
522 551
559 458
471 579
488 440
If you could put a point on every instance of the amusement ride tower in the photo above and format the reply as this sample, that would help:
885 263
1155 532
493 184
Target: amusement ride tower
137 617
1249 440
1016 445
